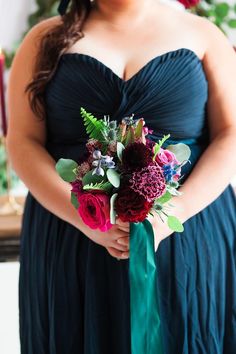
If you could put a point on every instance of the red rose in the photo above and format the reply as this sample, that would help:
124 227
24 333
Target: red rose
94 209
131 206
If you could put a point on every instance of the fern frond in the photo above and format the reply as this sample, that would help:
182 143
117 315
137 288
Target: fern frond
94 127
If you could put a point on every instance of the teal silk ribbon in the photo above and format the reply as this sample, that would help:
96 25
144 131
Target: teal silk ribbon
144 308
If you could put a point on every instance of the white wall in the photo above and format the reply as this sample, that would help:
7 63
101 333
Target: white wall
13 20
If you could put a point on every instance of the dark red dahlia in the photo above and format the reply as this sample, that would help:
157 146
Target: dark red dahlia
136 156
149 182
131 206
189 3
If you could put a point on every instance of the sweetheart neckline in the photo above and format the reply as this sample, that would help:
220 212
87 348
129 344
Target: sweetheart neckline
145 66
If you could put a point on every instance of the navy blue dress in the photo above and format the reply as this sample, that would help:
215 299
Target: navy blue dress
73 296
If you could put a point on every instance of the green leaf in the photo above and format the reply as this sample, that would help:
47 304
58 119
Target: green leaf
66 169
113 177
74 200
90 178
173 191
94 127
161 142
181 151
232 23
159 145
174 224
112 209
234 8
156 150
139 128
222 9
165 198
120 149
129 138
103 186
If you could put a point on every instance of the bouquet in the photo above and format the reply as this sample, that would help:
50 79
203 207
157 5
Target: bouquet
124 174
127 175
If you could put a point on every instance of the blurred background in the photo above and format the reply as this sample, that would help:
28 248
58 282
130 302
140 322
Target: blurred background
16 18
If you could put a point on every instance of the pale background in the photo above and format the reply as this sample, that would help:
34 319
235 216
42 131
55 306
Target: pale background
13 16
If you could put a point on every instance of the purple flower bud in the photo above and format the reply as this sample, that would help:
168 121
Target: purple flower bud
99 171
97 154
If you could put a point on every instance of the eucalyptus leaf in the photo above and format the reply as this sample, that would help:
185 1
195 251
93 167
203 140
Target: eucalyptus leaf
232 23
74 200
113 177
66 169
90 178
174 224
222 9
120 149
112 209
181 151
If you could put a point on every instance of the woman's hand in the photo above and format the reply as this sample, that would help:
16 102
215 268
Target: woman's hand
160 229
123 241
115 240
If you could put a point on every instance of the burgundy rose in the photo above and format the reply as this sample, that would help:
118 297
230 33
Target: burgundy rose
131 206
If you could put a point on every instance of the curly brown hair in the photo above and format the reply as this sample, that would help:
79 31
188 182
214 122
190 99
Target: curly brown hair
52 45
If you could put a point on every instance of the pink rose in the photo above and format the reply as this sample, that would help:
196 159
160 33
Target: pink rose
189 3
166 157
94 209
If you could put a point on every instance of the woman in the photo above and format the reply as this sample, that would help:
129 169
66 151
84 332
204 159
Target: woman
178 71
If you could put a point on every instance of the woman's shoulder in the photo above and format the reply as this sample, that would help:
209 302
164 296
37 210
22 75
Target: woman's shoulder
43 26
194 29
31 42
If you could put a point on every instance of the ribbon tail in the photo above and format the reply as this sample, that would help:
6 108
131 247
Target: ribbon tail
144 308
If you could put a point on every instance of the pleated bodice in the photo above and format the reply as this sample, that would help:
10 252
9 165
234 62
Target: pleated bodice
170 92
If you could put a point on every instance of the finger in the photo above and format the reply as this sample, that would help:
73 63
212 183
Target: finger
123 228
119 247
123 241
122 223
117 254
118 234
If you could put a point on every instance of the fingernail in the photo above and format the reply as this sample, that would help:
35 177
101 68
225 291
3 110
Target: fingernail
120 242
124 255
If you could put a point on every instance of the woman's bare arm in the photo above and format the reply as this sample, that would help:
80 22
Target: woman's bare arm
26 145
217 165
